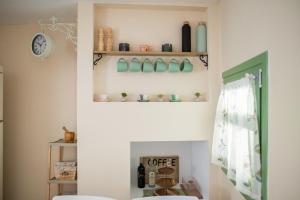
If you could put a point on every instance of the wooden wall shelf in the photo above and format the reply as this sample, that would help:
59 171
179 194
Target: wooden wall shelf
150 53
203 56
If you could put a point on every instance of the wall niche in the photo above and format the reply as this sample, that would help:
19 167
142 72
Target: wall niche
152 25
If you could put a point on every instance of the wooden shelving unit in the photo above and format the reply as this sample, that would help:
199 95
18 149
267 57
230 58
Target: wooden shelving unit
60 144
203 56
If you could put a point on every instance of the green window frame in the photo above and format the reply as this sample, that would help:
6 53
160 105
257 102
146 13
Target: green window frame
258 66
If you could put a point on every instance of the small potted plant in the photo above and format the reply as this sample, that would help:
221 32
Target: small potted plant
124 96
197 96
160 97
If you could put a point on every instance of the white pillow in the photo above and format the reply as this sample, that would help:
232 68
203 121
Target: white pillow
79 197
168 198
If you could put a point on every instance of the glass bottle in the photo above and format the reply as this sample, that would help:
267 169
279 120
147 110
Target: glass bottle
141 176
152 172
186 37
201 37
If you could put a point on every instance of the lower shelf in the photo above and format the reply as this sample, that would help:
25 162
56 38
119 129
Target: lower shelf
70 193
55 181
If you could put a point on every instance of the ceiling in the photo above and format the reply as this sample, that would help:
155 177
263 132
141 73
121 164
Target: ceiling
30 11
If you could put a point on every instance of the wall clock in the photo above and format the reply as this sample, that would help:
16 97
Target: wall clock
41 45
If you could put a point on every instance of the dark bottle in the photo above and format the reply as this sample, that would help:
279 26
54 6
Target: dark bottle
141 176
186 37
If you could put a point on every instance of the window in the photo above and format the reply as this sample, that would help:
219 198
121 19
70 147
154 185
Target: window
235 91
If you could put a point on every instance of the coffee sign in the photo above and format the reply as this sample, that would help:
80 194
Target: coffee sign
159 163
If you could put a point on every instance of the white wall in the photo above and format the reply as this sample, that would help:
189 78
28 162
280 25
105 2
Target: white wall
249 28
105 130
39 98
1 132
200 165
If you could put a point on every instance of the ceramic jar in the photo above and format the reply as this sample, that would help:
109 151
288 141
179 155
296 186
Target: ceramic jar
123 46
167 47
145 48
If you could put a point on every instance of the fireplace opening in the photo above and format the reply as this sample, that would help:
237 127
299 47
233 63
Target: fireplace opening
169 168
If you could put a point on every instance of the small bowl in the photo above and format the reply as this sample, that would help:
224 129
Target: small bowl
143 98
101 98
69 137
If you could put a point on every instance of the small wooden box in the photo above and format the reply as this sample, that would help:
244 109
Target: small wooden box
161 162
65 170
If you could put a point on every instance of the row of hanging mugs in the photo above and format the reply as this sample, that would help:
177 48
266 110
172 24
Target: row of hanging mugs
159 65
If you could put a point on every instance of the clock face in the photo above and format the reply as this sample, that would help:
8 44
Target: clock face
39 44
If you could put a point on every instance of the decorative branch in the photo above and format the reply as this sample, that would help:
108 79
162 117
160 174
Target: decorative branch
68 29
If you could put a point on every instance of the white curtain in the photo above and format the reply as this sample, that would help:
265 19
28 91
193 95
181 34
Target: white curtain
236 144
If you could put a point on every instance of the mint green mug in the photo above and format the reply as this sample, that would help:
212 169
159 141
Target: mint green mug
135 65
174 66
186 66
122 65
160 65
148 66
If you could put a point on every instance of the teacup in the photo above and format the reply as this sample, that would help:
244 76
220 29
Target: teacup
174 97
160 65
135 65
148 66
143 97
174 66
186 65
122 65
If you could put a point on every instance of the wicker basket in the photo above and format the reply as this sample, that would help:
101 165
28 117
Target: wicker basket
65 170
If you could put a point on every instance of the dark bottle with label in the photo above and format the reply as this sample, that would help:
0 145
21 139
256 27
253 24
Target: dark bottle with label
141 176
186 37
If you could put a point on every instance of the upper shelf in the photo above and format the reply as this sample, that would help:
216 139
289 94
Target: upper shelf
203 56
150 53
62 143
